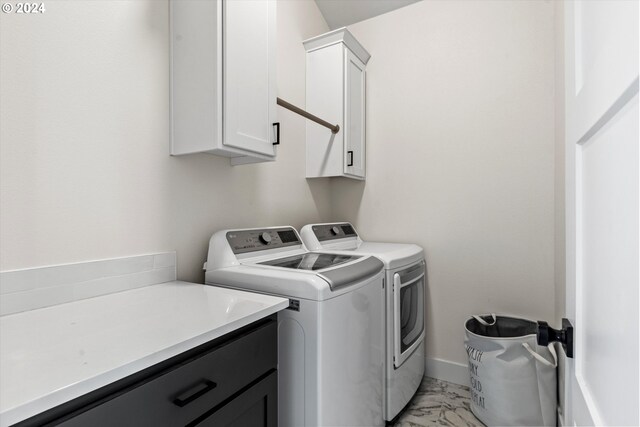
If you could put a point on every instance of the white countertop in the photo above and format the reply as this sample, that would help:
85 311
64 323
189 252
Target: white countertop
52 355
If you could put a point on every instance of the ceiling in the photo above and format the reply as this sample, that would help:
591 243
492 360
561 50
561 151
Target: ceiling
340 13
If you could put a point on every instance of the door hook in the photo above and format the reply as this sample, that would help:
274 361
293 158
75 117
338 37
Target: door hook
547 334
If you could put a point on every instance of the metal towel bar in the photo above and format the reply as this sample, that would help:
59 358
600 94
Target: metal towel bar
298 110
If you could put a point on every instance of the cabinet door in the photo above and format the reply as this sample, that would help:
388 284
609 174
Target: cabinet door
249 76
190 388
354 116
256 407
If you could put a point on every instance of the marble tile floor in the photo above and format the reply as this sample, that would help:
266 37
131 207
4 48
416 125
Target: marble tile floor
438 403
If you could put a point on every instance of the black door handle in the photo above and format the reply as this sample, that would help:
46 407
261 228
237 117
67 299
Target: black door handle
350 158
194 392
277 126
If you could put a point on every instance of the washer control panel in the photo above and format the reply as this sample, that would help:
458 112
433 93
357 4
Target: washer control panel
242 241
333 231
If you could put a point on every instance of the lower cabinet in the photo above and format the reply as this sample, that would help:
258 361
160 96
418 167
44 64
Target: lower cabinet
258 406
232 381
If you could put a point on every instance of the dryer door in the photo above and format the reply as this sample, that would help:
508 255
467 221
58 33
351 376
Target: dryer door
408 312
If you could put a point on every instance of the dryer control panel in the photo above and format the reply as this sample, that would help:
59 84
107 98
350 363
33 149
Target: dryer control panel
242 241
334 231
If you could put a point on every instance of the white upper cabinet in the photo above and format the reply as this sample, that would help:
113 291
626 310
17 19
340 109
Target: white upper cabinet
223 78
336 77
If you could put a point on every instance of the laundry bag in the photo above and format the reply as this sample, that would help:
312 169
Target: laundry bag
513 379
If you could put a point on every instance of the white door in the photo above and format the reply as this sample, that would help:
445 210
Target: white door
601 57
249 78
354 114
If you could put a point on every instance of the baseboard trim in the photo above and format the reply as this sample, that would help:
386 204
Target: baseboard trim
446 370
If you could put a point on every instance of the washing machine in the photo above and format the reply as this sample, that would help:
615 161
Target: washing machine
330 339
404 305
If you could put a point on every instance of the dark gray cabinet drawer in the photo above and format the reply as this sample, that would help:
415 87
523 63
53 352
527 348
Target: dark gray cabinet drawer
191 389
256 407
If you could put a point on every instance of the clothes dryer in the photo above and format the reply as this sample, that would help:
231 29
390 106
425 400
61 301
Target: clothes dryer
404 305
330 340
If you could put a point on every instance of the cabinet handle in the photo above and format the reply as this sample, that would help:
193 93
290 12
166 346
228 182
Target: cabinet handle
277 126
195 392
350 158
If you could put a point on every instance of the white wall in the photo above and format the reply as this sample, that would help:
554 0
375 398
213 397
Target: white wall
460 149
460 156
84 141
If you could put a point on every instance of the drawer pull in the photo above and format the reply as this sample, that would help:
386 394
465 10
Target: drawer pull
192 394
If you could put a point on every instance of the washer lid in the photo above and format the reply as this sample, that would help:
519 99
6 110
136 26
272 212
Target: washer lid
329 267
310 261
338 277
316 285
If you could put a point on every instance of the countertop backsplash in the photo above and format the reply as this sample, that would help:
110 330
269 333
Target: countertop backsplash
29 289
